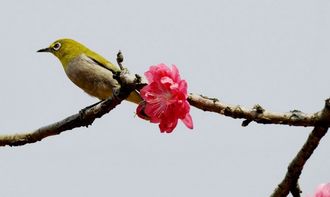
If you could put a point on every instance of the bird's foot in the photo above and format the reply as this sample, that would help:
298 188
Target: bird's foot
83 111
116 93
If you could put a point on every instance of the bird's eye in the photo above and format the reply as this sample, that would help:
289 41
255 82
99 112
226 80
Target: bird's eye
57 46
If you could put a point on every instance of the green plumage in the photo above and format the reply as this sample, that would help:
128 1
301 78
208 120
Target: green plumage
87 69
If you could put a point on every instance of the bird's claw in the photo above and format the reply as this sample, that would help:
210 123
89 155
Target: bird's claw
82 112
116 93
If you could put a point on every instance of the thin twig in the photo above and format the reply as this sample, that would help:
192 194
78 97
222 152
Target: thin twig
295 190
120 60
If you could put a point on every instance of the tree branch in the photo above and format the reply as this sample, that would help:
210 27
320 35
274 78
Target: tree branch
128 83
131 82
260 115
320 120
289 183
84 118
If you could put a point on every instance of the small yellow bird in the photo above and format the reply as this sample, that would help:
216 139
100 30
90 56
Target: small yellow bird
87 69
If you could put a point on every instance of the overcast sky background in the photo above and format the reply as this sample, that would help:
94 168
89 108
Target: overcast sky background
271 52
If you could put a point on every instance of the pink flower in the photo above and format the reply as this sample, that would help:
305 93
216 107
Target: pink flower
323 190
165 98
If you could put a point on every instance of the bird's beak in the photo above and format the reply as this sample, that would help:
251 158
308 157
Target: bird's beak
44 50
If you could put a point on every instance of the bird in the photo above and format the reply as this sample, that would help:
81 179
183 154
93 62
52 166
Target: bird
88 70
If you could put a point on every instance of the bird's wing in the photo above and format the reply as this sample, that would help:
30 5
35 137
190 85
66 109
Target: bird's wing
101 61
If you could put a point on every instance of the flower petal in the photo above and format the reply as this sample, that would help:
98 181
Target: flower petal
188 121
323 190
175 74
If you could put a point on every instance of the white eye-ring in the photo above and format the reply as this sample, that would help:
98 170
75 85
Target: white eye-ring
57 46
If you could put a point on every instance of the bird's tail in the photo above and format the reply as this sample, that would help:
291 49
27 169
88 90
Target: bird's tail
135 97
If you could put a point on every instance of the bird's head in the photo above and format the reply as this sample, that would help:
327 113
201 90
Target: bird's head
65 50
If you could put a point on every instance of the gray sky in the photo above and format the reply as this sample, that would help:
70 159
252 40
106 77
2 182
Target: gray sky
271 52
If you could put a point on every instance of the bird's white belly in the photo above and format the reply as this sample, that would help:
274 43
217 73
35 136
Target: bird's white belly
92 78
